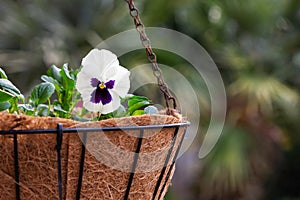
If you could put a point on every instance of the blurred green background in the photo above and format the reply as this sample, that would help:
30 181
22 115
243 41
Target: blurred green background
256 46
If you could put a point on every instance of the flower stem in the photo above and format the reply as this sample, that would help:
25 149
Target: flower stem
98 116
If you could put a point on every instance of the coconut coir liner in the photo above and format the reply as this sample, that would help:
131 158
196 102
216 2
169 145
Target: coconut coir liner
106 169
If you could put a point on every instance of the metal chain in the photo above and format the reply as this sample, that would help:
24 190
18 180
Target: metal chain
134 13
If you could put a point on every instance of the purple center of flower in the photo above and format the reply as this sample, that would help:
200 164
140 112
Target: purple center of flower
101 93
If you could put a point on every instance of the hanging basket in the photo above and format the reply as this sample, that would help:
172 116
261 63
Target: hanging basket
53 158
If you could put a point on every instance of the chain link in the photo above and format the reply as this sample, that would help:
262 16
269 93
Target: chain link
134 13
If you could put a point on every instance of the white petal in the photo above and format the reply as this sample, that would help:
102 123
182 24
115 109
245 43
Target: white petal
97 61
111 71
92 106
122 81
113 105
86 95
83 82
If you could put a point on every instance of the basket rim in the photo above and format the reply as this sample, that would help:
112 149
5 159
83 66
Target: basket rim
104 129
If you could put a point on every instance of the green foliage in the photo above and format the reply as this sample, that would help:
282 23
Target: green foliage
63 81
136 105
55 73
28 109
5 96
41 93
9 94
132 105
59 81
4 105
3 74
7 86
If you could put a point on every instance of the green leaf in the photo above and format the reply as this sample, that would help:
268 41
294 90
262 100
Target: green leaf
66 71
137 103
59 111
5 96
126 98
58 108
138 112
3 74
42 92
138 106
4 106
49 79
54 72
27 109
43 110
68 81
9 87
74 73
106 116
135 99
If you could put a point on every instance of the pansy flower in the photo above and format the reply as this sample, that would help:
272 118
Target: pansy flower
102 81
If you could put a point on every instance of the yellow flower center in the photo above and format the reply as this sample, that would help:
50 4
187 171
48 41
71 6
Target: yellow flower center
102 86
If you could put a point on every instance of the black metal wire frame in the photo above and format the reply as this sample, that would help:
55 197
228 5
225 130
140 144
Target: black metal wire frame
59 131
